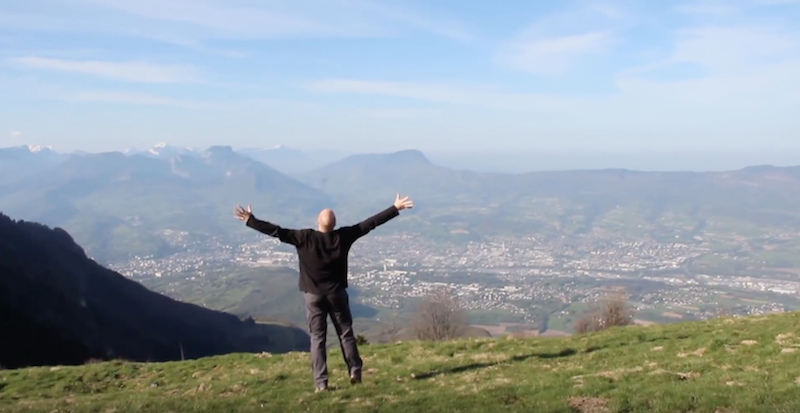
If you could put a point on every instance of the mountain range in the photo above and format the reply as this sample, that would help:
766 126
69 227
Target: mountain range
116 204
57 306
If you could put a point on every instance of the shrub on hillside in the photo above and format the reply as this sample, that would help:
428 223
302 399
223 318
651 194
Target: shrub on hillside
361 340
439 317
611 312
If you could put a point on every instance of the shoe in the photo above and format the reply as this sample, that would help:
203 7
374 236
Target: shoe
355 378
321 389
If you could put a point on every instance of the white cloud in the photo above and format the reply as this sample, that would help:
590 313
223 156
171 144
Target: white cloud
748 72
125 71
441 93
776 2
229 18
426 22
189 44
552 56
133 98
745 69
198 20
555 44
608 10
398 113
148 99
699 8
725 50
15 134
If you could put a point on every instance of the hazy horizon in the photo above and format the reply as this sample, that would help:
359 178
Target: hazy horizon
499 161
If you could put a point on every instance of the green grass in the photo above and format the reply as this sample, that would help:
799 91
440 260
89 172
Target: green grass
724 365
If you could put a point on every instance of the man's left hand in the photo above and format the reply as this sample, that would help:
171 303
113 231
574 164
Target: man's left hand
241 213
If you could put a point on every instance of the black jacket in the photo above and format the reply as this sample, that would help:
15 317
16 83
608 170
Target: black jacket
323 255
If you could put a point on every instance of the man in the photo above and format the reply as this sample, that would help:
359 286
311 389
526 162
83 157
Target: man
323 279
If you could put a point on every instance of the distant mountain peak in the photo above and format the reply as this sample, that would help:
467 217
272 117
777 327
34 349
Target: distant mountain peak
398 159
39 148
410 153
220 149
411 156
163 149
220 152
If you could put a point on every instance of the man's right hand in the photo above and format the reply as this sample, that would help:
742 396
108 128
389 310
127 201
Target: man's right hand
403 203
241 213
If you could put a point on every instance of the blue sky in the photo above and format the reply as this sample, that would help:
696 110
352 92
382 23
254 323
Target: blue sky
367 75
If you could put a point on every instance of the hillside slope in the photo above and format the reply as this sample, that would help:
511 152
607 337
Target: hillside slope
725 365
59 307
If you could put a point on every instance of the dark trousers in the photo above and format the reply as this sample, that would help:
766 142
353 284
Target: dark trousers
318 307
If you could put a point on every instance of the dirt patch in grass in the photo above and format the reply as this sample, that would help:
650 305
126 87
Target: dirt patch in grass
698 353
588 404
785 339
678 374
489 357
749 342
199 389
613 375
643 322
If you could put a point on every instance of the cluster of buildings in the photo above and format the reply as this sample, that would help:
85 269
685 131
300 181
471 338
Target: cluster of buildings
511 274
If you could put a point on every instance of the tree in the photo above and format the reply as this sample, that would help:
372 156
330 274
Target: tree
439 317
611 312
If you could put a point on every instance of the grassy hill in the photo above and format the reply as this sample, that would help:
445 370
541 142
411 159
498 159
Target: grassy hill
724 365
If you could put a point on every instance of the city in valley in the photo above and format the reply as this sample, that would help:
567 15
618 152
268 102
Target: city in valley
508 281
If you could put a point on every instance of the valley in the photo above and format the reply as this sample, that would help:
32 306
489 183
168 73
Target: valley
523 252
540 286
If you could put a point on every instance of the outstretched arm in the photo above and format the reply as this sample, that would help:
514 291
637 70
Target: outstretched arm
288 236
367 225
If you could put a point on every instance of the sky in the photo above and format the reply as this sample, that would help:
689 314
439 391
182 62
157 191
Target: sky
588 77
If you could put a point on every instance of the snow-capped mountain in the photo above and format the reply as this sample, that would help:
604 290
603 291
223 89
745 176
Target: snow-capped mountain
38 148
26 151
162 150
25 160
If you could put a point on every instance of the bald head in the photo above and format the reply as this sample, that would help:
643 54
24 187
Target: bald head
326 220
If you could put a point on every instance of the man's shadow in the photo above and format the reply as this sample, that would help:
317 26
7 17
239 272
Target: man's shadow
477 366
